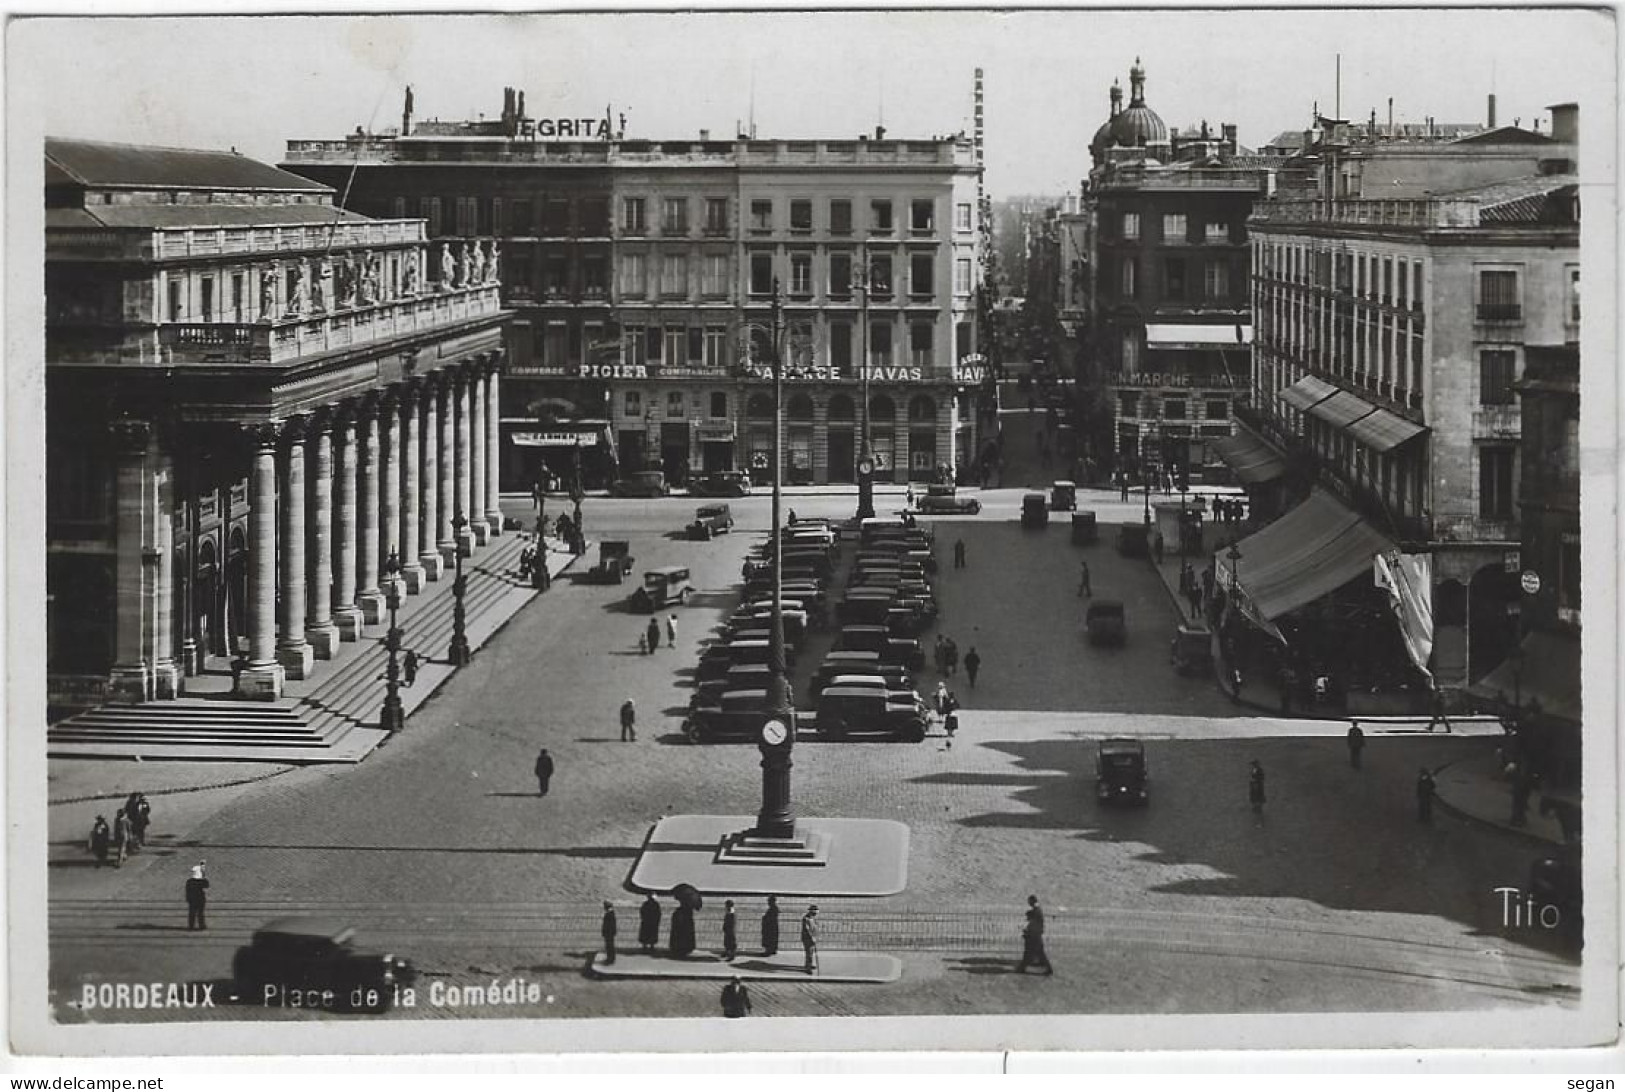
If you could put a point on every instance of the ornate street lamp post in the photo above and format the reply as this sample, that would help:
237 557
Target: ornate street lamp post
866 458
393 717
460 653
777 818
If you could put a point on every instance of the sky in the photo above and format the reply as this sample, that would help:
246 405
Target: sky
255 82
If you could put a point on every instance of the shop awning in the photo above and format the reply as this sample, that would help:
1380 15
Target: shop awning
1548 671
1314 549
1306 392
1252 459
1163 335
1384 431
1341 409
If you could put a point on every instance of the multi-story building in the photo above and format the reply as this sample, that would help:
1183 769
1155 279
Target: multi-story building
1169 324
253 398
1397 312
872 245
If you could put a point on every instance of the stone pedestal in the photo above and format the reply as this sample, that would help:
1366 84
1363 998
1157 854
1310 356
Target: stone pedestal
296 658
348 621
374 608
129 683
433 565
414 577
482 532
166 681
323 639
261 683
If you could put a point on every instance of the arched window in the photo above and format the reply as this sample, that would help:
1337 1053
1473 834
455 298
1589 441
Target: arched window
759 405
800 407
922 407
841 408
882 408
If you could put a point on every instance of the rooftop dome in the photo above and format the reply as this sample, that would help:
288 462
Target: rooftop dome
1103 135
1138 126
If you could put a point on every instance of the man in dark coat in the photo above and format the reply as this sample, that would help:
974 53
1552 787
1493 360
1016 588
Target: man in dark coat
682 931
609 929
101 837
973 664
197 899
654 634
409 667
1032 939
735 998
629 718
730 930
770 927
1356 744
1439 714
809 939
1424 796
544 772
649 923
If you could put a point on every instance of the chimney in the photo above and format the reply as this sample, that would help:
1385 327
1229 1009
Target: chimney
1492 110
1229 133
1565 122
880 132
406 113
705 135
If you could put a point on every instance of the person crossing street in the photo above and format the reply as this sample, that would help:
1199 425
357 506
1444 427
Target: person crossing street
1032 939
973 664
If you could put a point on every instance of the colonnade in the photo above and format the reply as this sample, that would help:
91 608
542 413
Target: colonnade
408 471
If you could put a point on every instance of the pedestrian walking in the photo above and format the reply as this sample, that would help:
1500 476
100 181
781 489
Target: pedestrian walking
950 657
1438 714
950 723
1255 786
1356 744
671 630
121 838
544 772
939 653
649 923
809 939
101 838
643 642
1032 939
735 999
1122 488
940 698
409 666
1086 589
730 931
629 721
1424 796
608 931
653 633
142 819
973 664
770 927
1193 595
197 898
959 553
536 494
682 931
133 819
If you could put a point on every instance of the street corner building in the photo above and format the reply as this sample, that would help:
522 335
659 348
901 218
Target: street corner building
254 400
646 277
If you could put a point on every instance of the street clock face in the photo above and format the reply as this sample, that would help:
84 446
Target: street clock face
775 732
866 466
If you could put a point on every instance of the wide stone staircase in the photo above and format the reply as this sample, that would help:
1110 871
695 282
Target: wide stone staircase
330 717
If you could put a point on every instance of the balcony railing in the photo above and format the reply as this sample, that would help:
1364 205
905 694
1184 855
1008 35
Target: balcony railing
1500 312
283 341
1413 212
172 243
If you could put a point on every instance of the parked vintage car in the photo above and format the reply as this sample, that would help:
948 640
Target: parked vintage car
892 648
1120 773
1105 622
946 499
845 711
710 520
719 658
723 483
1034 510
614 562
1063 495
1085 529
644 483
850 663
1133 540
312 962
1192 649
736 714
663 586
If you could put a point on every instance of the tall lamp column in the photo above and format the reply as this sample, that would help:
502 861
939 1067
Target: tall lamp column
866 457
393 717
777 818
460 654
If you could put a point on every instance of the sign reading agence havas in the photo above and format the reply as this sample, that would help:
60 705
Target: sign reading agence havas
879 373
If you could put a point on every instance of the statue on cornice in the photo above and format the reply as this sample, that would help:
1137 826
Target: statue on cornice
493 263
462 256
409 275
321 272
296 289
371 275
268 280
446 268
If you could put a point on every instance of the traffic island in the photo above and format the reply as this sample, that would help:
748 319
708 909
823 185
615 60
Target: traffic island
827 857
786 966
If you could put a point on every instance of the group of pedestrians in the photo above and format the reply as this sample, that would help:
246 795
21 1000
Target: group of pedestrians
127 833
533 563
649 639
682 936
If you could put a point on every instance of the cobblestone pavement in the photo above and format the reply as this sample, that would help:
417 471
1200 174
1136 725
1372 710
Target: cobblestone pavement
439 848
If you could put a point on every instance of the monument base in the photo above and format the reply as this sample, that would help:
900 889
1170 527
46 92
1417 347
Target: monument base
719 855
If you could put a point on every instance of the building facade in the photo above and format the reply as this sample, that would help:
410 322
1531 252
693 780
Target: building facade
1397 313
254 399
651 312
1168 327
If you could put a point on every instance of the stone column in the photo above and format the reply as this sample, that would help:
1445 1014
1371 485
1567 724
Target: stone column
320 630
446 454
369 597
389 499
493 446
463 505
411 495
293 651
346 615
476 455
131 677
263 677
166 676
429 555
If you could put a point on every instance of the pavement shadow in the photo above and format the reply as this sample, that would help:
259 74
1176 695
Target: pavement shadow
148 927
598 739
519 795
982 965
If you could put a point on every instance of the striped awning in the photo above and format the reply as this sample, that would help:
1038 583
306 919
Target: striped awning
1384 431
1254 461
1306 392
1341 409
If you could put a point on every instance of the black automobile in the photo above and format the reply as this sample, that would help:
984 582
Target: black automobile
724 483
311 962
844 711
1120 774
892 648
1035 510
